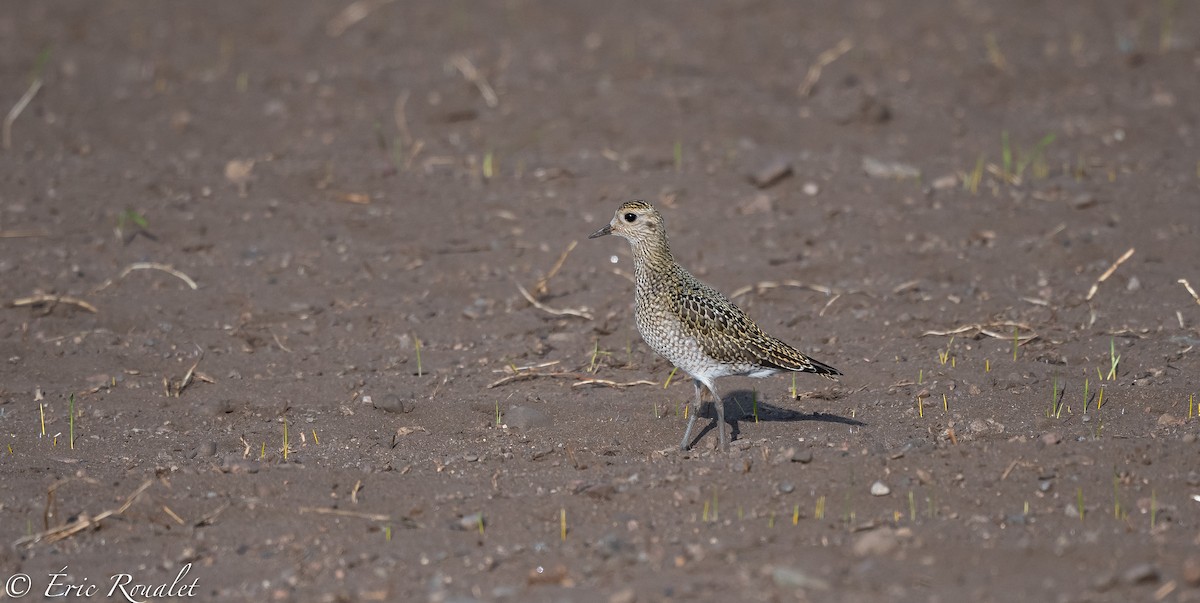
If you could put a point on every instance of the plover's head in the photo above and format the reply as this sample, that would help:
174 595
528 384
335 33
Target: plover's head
635 221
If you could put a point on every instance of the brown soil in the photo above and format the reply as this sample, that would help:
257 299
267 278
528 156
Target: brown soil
344 192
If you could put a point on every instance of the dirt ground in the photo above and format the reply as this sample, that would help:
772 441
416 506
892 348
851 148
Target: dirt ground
262 262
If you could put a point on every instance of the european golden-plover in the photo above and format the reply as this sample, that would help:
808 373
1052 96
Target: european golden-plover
691 324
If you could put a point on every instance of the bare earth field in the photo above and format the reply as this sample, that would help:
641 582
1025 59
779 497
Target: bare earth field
263 262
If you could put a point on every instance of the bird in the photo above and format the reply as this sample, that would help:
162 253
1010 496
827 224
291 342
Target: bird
690 323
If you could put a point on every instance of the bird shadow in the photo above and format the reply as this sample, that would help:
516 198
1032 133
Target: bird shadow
740 405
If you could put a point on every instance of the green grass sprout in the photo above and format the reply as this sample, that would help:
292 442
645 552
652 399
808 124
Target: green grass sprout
417 346
1153 509
1114 359
669 377
489 167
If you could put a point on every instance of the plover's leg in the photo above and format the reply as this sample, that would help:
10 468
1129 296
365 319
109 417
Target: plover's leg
720 404
687 434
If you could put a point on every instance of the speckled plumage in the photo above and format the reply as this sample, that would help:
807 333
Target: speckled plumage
691 324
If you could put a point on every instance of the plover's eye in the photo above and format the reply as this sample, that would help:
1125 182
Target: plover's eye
630 217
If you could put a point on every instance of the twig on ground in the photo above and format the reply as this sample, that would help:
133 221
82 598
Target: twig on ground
157 266
984 328
23 234
517 369
1107 273
175 390
468 71
829 303
581 313
82 522
353 13
278 342
48 298
17 109
823 60
765 285
345 513
542 288
610 383
1188 286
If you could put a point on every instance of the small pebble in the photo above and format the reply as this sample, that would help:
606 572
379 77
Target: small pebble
771 172
787 488
1191 570
790 577
876 542
393 403
470 522
626 595
1140 573
880 489
1083 201
811 189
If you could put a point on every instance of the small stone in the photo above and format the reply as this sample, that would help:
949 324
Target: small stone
786 488
1083 201
1050 439
1140 574
803 457
880 489
876 542
924 477
526 417
1188 438
811 189
790 577
1134 284
470 522
393 403
1191 570
625 595
876 168
771 172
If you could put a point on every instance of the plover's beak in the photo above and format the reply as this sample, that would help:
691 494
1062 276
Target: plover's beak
607 230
